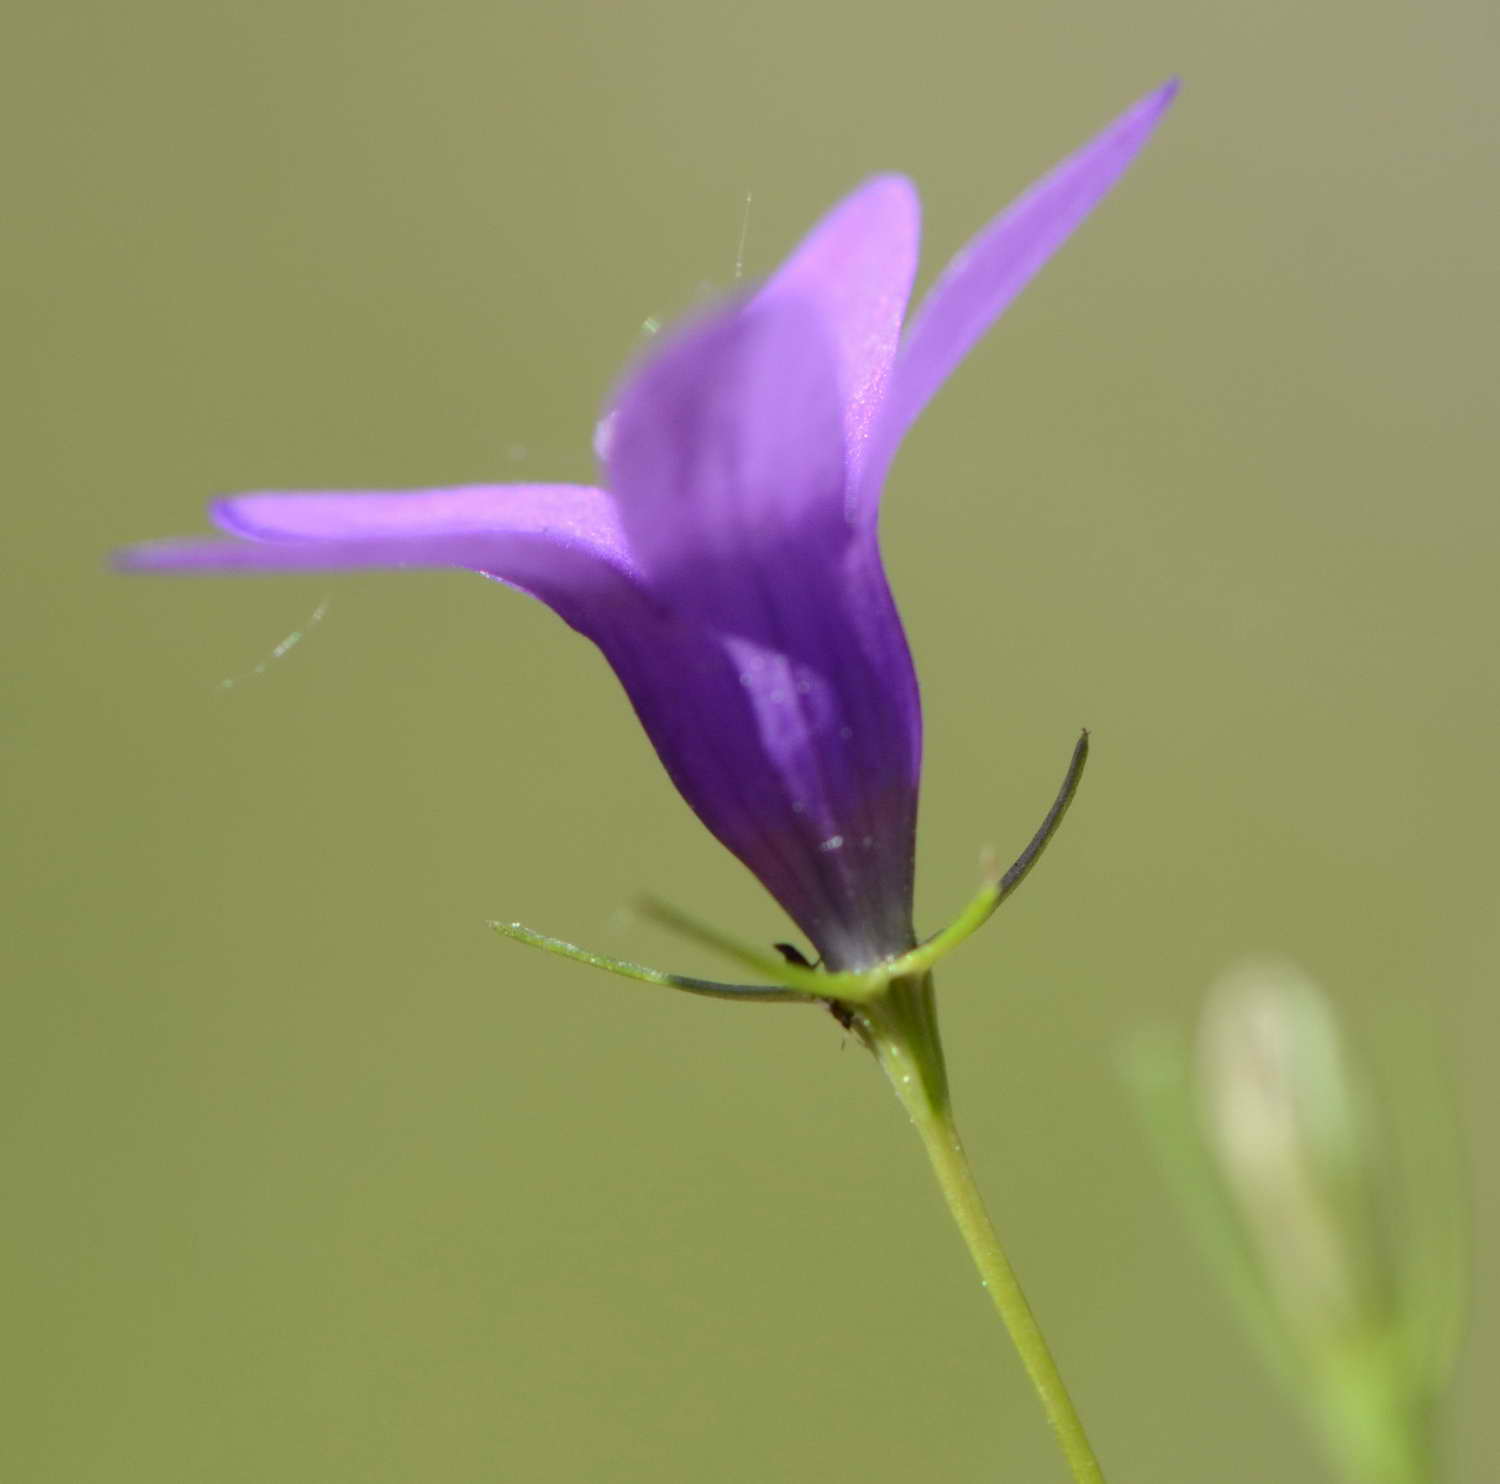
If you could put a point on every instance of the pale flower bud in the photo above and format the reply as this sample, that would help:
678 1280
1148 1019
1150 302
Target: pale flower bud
1290 1133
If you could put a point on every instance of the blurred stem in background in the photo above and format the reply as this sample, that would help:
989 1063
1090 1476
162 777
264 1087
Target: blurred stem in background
1354 1295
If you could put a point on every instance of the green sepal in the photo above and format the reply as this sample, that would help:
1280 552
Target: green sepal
628 970
792 982
860 986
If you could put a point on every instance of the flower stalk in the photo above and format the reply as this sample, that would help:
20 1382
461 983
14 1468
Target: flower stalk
901 1029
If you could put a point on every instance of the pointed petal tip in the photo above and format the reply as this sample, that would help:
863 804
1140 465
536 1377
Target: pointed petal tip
889 204
204 554
898 190
1143 115
886 191
190 553
1149 109
128 559
987 274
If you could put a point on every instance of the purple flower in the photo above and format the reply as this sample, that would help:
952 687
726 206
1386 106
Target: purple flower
729 567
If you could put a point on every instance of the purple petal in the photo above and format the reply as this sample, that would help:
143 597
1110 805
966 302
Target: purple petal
856 268
801 756
798 739
726 454
554 541
979 284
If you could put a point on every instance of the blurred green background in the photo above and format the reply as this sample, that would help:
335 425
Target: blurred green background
310 1178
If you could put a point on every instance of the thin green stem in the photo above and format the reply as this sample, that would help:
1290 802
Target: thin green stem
902 1031
1372 1432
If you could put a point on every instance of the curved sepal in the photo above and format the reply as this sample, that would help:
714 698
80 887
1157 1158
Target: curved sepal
774 993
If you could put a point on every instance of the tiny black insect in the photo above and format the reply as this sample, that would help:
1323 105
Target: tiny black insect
793 955
842 1013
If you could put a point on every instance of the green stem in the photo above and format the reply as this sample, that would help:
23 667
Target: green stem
1373 1427
901 1029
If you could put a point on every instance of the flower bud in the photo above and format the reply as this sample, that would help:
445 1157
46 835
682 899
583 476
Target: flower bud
1290 1133
1356 1290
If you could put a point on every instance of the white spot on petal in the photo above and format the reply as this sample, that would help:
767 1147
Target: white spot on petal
604 432
833 842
